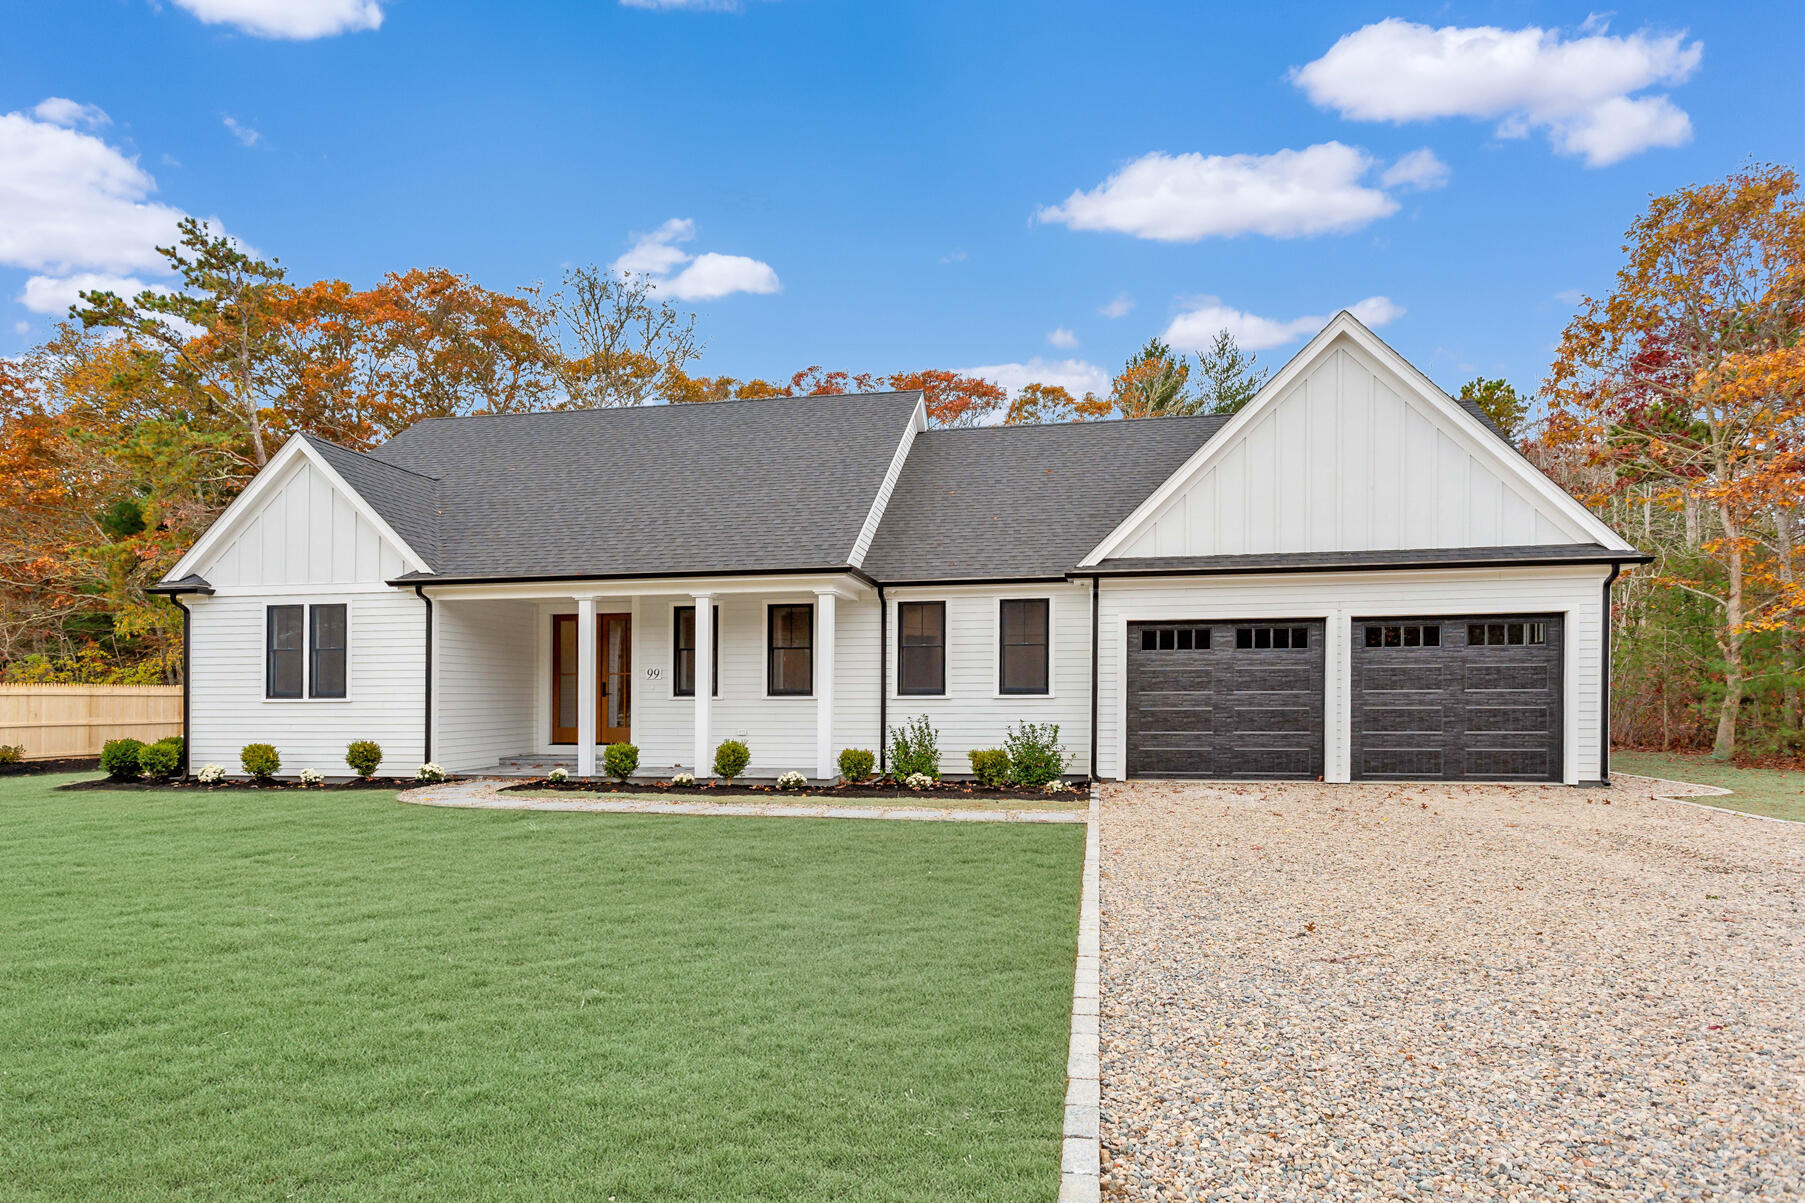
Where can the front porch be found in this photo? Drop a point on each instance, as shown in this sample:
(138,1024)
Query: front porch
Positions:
(528,677)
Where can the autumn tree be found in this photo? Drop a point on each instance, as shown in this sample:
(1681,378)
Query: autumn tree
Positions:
(1504,405)
(953,399)
(1688,380)
(1152,384)
(1227,377)
(616,340)
(1039,404)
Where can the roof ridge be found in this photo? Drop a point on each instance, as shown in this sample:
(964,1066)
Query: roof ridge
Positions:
(311,437)
(663,405)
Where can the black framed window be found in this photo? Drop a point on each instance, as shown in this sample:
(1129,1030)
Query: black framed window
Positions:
(326,669)
(790,650)
(1406,634)
(1175,639)
(921,647)
(683,653)
(1501,634)
(1278,639)
(284,650)
(1022,654)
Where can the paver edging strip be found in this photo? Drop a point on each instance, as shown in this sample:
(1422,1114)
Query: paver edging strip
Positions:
(1705,791)
(1081,1148)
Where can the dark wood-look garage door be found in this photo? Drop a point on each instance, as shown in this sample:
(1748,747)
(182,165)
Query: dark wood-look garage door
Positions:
(1225,699)
(1473,698)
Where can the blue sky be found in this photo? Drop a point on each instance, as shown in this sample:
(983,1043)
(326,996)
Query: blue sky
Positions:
(1032,188)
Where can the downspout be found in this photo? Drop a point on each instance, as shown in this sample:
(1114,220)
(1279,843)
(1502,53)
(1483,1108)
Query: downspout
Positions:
(1604,685)
(1096,585)
(176,601)
(426,736)
(883,678)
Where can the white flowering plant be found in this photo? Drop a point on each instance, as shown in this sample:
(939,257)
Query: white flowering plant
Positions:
(918,781)
(211,774)
(792,780)
(558,776)
(1056,786)
(430,772)
(682,778)
(312,777)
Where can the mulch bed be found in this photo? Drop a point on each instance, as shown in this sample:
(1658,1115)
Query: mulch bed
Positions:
(946,791)
(31,768)
(386,783)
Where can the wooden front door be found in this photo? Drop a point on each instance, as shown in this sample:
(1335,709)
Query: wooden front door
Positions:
(613,678)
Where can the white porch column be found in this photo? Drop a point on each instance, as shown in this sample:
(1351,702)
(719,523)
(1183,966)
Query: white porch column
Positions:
(827,763)
(704,676)
(586,686)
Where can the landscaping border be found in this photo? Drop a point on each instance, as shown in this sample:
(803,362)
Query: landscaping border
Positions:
(1081,1145)
(1701,790)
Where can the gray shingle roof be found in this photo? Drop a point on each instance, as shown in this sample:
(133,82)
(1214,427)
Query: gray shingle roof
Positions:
(1305,561)
(407,501)
(734,486)
(1018,502)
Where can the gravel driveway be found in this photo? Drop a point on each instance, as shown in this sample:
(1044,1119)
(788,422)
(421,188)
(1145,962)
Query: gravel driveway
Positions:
(1392,991)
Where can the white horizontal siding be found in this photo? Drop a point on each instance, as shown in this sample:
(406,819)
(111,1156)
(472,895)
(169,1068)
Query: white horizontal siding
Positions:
(1350,458)
(385,684)
(972,714)
(483,686)
(305,532)
(1339,598)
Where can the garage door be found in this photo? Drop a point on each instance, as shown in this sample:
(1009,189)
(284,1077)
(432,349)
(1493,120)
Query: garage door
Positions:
(1225,699)
(1473,698)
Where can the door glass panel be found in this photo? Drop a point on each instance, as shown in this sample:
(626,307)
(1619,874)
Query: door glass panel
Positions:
(617,653)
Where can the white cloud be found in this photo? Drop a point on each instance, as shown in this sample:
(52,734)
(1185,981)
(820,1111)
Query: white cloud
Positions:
(70,202)
(1420,169)
(1076,376)
(245,134)
(60,110)
(953,257)
(53,295)
(1059,336)
(1121,306)
(1193,329)
(1577,89)
(21,327)
(1569,296)
(704,277)
(298,19)
(1182,198)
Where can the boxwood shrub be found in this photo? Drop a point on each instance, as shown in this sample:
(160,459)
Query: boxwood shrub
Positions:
(364,756)
(856,764)
(990,766)
(619,760)
(260,761)
(159,760)
(119,757)
(731,759)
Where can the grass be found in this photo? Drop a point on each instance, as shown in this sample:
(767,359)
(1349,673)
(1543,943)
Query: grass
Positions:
(335,996)
(1777,793)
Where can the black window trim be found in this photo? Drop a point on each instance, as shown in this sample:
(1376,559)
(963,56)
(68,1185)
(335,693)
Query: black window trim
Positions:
(901,690)
(1046,649)
(714,649)
(771,609)
(270,650)
(313,652)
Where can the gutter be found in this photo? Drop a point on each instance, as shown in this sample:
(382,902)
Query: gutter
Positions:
(1615,559)
(187,657)
(1604,683)
(426,725)
(1096,595)
(415,581)
(883,679)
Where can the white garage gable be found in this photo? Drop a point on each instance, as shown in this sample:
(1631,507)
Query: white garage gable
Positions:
(1349,448)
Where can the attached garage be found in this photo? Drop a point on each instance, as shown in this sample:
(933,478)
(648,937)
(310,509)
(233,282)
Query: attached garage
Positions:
(1226,699)
(1468,698)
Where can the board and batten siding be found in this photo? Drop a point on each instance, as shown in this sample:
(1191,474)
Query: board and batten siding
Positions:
(972,713)
(1575,592)
(1350,459)
(306,544)
(483,700)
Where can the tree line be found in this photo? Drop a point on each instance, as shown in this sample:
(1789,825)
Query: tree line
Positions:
(1673,407)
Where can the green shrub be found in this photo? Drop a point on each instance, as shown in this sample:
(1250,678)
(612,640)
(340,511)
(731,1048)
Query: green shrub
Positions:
(260,761)
(1035,754)
(619,760)
(915,749)
(120,758)
(731,759)
(364,756)
(160,759)
(856,764)
(990,766)
(12,753)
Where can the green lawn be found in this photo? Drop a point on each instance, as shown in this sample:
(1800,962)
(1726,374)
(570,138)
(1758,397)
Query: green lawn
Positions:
(337,996)
(1777,793)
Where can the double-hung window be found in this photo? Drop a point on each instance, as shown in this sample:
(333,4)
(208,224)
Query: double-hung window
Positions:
(790,646)
(1022,665)
(921,647)
(683,657)
(305,651)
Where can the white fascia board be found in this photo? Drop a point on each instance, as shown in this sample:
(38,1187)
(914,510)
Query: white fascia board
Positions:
(843,585)
(918,422)
(1345,324)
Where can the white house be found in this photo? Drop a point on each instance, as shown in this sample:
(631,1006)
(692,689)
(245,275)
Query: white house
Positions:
(1355,577)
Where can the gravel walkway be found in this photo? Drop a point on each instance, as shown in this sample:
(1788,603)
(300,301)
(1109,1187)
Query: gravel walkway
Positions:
(1392,991)
(484,793)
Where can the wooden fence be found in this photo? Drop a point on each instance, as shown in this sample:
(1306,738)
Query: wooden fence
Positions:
(54,721)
